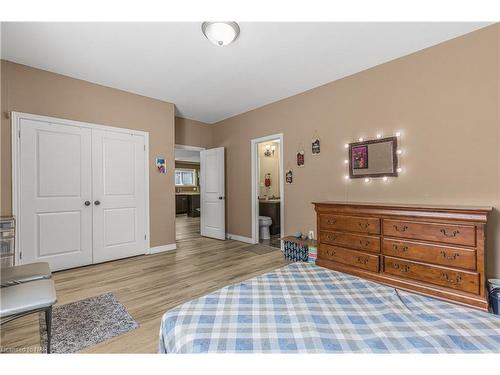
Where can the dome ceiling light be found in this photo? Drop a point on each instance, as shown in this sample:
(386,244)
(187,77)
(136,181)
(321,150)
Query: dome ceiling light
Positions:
(221,33)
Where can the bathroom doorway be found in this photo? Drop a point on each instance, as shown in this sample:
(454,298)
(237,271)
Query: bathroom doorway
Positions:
(268,190)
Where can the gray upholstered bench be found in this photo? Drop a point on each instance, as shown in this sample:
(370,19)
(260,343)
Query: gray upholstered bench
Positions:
(24,273)
(25,290)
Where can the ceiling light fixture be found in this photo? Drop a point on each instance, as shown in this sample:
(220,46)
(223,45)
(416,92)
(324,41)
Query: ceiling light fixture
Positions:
(221,33)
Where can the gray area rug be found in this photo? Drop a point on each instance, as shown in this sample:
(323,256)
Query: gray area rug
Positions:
(85,323)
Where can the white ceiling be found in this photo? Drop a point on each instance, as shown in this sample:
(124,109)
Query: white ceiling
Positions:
(174,62)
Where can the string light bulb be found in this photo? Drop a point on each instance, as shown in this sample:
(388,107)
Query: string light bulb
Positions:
(385,178)
(399,152)
(360,139)
(379,135)
(367,179)
(346,177)
(399,170)
(346,161)
(346,145)
(398,134)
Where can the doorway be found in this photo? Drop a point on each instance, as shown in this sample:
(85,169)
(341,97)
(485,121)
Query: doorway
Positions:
(267,190)
(187,192)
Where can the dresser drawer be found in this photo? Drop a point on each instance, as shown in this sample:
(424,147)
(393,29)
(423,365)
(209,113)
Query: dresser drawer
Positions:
(460,280)
(349,223)
(438,254)
(350,257)
(352,241)
(446,233)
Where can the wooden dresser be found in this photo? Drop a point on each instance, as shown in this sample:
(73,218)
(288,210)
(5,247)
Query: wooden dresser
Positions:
(431,250)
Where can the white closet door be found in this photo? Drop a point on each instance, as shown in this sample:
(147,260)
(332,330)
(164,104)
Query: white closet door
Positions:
(55,182)
(119,195)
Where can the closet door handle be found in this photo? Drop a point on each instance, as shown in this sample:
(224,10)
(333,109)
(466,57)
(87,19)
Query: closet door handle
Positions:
(97,203)
(87,203)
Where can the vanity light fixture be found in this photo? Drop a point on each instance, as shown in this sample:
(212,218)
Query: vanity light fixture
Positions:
(269,150)
(220,33)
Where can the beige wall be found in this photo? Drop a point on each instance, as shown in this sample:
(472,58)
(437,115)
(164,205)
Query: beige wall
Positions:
(30,90)
(444,99)
(269,164)
(193,133)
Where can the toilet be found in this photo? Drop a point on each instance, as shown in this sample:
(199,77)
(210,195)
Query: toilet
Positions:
(264,224)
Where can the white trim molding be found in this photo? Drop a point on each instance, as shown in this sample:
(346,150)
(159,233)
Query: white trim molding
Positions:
(162,248)
(255,185)
(235,237)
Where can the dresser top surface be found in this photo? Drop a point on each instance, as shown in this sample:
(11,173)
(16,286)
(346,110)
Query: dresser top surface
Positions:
(398,206)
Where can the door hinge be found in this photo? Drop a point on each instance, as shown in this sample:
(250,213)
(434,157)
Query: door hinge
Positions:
(144,236)
(19,133)
(20,255)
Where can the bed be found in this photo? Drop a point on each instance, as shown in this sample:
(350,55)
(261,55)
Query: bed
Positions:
(302,308)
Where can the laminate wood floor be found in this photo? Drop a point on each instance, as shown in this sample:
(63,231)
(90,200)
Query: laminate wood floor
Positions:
(149,285)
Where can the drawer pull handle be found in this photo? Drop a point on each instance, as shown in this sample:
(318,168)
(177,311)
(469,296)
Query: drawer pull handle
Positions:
(364,243)
(451,280)
(400,228)
(330,252)
(401,267)
(331,221)
(362,260)
(449,257)
(403,249)
(331,237)
(364,225)
(450,234)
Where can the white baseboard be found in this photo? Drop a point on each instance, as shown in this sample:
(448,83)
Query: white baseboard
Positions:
(163,248)
(239,238)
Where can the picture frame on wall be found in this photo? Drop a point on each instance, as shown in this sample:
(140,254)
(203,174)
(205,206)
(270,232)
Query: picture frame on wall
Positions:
(359,157)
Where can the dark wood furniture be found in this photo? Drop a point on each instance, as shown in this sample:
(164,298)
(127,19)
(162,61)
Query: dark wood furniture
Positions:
(187,204)
(432,250)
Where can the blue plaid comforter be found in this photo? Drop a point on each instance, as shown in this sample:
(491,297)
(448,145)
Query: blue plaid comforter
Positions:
(303,308)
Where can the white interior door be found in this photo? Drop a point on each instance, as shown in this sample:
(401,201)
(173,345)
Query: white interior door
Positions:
(213,220)
(119,199)
(55,183)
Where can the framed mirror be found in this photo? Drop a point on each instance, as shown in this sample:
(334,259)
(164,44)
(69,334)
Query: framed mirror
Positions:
(374,158)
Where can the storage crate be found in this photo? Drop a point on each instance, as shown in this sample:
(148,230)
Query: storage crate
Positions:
(299,250)
(7,238)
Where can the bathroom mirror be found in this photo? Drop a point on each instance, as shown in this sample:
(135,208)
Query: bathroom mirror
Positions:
(373,158)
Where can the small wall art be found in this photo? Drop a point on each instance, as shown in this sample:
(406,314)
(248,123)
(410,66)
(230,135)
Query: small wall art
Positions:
(161,165)
(289,176)
(315,144)
(359,157)
(300,158)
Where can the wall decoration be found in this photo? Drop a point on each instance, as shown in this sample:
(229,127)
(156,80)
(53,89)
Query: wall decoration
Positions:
(289,176)
(359,157)
(315,144)
(300,158)
(161,165)
(315,147)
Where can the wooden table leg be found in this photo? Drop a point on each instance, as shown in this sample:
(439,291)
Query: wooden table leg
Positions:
(48,324)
